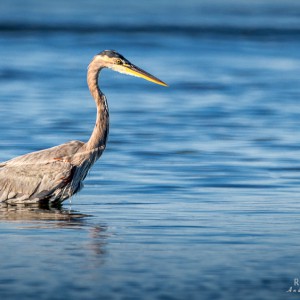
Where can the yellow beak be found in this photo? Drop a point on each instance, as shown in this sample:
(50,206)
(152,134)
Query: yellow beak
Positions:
(133,70)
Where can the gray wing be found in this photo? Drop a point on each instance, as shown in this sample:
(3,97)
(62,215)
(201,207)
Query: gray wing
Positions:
(37,175)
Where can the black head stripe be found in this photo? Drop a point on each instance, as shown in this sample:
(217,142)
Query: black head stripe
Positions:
(111,54)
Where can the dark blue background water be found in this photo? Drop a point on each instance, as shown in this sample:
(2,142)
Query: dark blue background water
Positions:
(197,195)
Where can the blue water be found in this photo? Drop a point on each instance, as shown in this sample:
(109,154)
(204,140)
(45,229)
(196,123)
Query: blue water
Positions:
(197,194)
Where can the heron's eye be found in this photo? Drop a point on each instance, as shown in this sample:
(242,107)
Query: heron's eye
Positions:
(119,61)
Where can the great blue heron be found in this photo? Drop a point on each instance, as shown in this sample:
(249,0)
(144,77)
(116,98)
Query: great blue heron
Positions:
(55,174)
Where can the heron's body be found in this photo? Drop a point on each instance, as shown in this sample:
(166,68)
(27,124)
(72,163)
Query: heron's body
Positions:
(55,174)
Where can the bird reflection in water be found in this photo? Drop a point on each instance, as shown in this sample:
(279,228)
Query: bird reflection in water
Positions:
(98,239)
(37,212)
(34,217)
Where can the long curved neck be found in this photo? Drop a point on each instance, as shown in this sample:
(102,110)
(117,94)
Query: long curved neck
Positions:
(100,132)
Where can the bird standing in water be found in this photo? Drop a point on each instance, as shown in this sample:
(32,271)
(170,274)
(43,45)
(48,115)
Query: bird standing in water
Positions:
(55,174)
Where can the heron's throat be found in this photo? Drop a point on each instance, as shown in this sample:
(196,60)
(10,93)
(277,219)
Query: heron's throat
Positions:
(99,135)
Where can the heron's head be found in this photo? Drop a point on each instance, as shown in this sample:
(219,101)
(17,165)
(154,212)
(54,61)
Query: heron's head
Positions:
(115,61)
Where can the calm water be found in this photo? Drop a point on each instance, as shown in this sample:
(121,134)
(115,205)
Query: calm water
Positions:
(197,195)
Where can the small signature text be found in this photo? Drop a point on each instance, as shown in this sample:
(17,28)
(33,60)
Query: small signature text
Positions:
(295,288)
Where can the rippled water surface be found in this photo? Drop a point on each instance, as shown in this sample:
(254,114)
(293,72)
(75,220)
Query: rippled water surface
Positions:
(197,195)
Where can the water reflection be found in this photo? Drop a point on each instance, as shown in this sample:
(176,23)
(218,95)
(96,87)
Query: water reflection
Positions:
(98,239)
(37,212)
(49,218)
